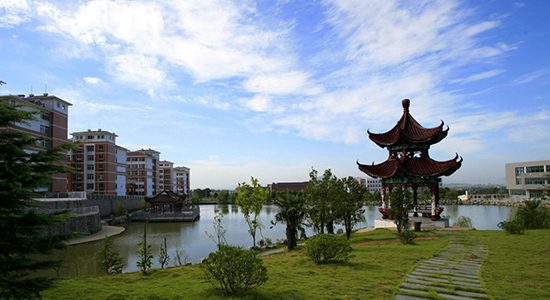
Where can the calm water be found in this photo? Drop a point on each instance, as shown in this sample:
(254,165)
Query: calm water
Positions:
(192,237)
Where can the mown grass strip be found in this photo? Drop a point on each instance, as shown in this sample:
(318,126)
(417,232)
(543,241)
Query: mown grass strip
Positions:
(375,272)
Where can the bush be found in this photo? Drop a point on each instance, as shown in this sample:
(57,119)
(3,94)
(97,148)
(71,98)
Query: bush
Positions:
(534,215)
(324,248)
(234,270)
(108,259)
(464,222)
(407,236)
(513,226)
(120,210)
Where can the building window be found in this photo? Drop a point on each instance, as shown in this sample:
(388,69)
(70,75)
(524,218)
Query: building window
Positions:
(520,170)
(518,181)
(43,143)
(100,158)
(90,137)
(45,116)
(90,176)
(100,186)
(100,177)
(100,167)
(535,181)
(90,157)
(547,168)
(78,158)
(90,148)
(100,148)
(78,177)
(90,186)
(44,129)
(90,167)
(534,169)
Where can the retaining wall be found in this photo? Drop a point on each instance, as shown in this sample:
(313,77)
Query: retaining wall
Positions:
(86,224)
(107,203)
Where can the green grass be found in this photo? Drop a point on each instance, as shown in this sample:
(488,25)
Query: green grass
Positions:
(375,272)
(517,265)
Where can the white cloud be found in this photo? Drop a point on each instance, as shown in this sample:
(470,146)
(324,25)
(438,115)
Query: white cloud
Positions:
(293,82)
(138,71)
(526,78)
(479,76)
(13,12)
(261,104)
(93,81)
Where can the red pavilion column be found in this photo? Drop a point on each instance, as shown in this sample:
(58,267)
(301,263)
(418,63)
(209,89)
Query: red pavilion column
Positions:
(384,204)
(415,202)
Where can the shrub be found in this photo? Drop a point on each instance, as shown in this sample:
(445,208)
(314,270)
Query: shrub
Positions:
(120,210)
(463,221)
(513,226)
(324,248)
(534,215)
(234,270)
(407,236)
(108,259)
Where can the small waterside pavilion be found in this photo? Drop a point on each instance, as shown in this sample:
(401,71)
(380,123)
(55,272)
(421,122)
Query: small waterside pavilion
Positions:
(166,202)
(409,165)
(168,206)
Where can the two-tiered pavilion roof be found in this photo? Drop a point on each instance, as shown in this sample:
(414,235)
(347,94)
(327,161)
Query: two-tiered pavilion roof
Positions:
(409,163)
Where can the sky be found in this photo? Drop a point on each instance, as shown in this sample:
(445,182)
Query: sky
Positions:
(272,89)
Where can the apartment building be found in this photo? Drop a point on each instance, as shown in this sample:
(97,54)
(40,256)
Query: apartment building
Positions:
(51,121)
(527,179)
(182,180)
(142,172)
(99,162)
(372,184)
(167,176)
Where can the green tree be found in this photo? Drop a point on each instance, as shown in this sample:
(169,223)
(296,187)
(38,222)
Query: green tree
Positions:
(219,232)
(251,200)
(22,174)
(401,204)
(108,259)
(145,258)
(223,197)
(292,213)
(164,257)
(349,206)
(319,195)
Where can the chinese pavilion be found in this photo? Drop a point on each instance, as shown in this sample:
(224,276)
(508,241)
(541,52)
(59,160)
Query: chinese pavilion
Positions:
(166,202)
(409,164)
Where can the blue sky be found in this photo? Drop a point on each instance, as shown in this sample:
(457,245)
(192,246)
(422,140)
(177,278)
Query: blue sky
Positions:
(272,88)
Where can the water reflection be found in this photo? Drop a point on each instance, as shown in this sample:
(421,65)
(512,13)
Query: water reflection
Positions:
(192,237)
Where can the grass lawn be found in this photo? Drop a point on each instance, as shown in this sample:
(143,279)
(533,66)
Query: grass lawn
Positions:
(374,273)
(517,266)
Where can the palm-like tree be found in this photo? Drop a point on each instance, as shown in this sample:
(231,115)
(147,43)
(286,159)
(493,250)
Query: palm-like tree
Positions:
(292,213)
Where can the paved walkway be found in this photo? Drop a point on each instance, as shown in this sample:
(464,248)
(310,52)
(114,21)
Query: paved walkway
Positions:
(451,274)
(106,230)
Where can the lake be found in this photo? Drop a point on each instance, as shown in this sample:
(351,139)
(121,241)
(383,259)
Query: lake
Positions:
(193,239)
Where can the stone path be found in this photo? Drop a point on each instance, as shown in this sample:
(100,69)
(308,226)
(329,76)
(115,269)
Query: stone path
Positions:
(451,274)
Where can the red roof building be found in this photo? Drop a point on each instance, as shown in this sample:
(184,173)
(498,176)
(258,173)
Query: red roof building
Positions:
(409,164)
(166,202)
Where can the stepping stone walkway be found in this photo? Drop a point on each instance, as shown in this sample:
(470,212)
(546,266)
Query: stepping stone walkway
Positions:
(451,274)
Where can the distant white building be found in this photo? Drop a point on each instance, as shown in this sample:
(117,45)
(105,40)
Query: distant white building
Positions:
(371,184)
(527,179)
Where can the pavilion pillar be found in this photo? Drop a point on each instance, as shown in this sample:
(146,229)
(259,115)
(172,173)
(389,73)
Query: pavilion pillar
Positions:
(389,196)
(434,205)
(384,204)
(415,202)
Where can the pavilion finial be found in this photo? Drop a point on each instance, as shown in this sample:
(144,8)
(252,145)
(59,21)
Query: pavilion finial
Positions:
(406,103)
